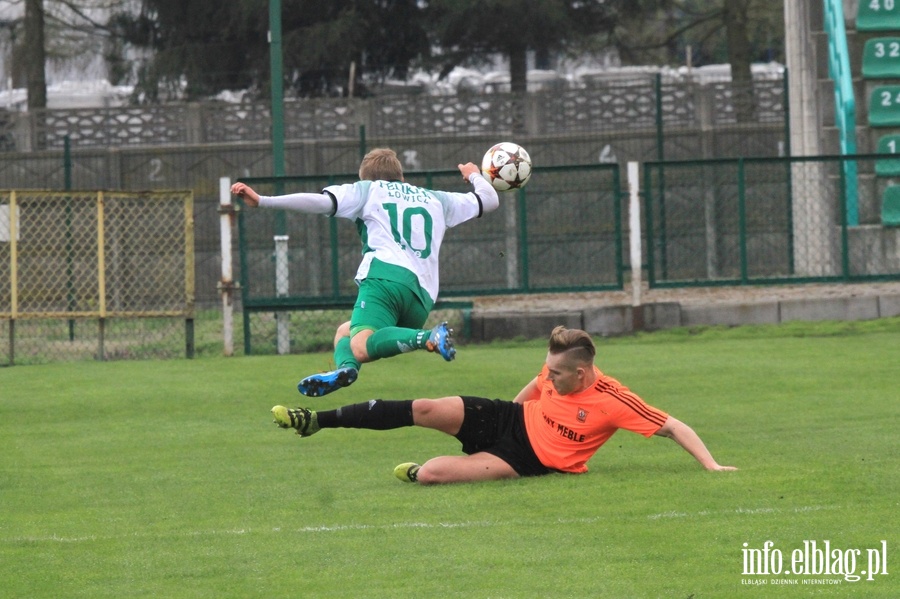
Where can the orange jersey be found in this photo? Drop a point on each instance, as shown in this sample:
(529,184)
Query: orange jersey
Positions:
(566,430)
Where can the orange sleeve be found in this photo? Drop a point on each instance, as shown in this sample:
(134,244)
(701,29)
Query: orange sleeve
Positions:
(630,411)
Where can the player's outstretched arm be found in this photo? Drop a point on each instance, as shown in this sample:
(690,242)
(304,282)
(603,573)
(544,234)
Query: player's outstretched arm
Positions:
(309,203)
(691,442)
(250,197)
(468,169)
(489,199)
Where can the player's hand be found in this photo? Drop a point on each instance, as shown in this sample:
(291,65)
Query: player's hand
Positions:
(250,197)
(467,169)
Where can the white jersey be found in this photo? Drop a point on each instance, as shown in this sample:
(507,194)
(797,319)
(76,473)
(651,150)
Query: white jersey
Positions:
(404,225)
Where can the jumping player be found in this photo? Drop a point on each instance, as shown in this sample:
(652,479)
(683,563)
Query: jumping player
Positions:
(401,227)
(555,424)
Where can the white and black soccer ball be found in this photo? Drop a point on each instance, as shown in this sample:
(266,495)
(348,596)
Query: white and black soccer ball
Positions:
(507,166)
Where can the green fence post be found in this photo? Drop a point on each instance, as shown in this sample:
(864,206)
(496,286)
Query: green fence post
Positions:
(660,156)
(335,253)
(67,184)
(276,67)
(742,220)
(846,214)
(362,141)
(618,197)
(67,163)
(335,258)
(787,113)
(648,220)
(245,280)
(189,338)
(663,249)
(660,140)
(523,237)
(789,173)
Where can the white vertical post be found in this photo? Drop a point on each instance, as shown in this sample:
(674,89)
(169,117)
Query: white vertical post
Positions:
(282,286)
(226,285)
(634,232)
(814,202)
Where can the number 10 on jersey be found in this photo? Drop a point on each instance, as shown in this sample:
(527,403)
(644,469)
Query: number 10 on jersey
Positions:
(412,229)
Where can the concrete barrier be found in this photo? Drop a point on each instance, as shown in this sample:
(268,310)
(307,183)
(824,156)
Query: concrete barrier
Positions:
(533,325)
(731,315)
(888,306)
(842,308)
(625,319)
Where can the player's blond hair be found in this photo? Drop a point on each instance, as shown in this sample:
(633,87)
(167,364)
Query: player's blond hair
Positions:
(576,343)
(381,164)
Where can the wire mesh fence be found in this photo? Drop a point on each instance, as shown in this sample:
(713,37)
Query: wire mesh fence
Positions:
(45,340)
(768,221)
(606,119)
(76,265)
(603,102)
(313,330)
(562,232)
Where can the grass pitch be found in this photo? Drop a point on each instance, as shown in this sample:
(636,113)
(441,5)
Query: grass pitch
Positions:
(167,479)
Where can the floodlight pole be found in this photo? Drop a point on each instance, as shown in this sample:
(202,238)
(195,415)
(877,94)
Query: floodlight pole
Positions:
(276,74)
(276,68)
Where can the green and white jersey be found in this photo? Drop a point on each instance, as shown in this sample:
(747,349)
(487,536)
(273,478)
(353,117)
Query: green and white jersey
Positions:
(402,227)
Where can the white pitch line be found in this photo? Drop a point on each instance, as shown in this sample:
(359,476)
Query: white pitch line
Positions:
(743,510)
(395,526)
(199,533)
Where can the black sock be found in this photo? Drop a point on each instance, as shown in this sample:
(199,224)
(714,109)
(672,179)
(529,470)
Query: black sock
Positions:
(375,414)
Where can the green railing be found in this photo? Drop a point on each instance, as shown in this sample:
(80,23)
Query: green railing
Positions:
(563,232)
(844,100)
(765,221)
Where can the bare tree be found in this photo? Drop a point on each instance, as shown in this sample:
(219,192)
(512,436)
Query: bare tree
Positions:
(55,30)
(734,18)
(736,31)
(35,54)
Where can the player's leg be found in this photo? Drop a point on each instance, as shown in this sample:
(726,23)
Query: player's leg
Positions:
(358,347)
(369,314)
(343,353)
(459,469)
(445,415)
(391,341)
(474,421)
(344,375)
(484,428)
(402,316)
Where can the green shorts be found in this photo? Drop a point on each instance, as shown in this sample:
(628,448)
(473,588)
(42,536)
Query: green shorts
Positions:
(382,303)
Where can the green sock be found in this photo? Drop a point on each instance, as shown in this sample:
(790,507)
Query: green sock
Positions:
(391,341)
(343,355)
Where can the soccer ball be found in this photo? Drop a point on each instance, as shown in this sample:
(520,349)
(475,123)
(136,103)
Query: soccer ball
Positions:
(507,166)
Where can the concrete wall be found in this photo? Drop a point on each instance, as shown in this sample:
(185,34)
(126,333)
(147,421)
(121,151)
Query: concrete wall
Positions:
(625,319)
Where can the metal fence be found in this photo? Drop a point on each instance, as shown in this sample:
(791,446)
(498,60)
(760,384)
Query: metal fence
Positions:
(754,221)
(191,146)
(652,101)
(562,232)
(76,267)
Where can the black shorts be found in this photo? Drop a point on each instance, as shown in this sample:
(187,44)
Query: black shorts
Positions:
(498,428)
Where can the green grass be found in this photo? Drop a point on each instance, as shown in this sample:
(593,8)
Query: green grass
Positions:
(167,479)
